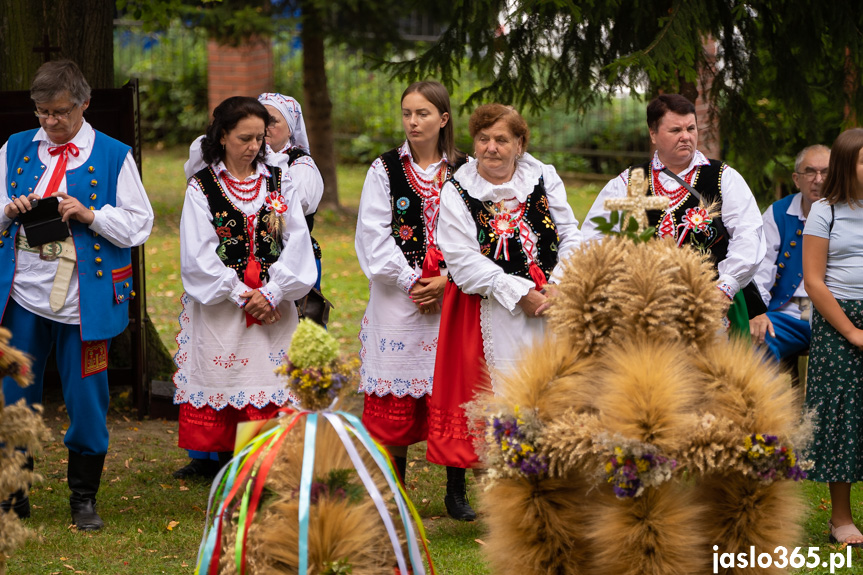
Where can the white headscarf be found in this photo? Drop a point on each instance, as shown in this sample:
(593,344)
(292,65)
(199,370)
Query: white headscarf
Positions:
(293,114)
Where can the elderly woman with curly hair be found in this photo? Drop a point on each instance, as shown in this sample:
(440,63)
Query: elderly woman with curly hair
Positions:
(504,227)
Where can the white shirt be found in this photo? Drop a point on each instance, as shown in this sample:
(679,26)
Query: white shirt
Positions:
(308,183)
(380,257)
(740,215)
(208,280)
(765,277)
(126,224)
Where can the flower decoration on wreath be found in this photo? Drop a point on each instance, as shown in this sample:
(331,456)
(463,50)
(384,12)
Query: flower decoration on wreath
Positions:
(312,492)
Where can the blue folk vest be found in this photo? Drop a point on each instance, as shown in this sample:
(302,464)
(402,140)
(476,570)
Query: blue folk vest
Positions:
(104,270)
(789,260)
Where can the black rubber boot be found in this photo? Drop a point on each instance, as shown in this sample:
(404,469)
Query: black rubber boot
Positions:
(203,468)
(401,464)
(455,499)
(19,502)
(225,458)
(85,474)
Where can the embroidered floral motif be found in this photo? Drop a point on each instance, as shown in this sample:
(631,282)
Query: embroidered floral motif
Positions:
(396,345)
(197,399)
(406,232)
(217,401)
(383,346)
(223,231)
(259,399)
(504,224)
(276,357)
(429,346)
(279,397)
(403,204)
(384,384)
(420,386)
(697,219)
(230,361)
(276,202)
(400,386)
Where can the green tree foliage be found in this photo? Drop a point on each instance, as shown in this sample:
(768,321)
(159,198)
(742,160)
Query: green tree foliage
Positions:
(370,25)
(786,74)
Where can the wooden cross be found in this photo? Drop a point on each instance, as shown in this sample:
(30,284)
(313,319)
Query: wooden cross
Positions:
(46,48)
(636,203)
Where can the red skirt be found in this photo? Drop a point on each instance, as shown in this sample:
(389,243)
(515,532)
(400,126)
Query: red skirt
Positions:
(396,421)
(205,429)
(460,373)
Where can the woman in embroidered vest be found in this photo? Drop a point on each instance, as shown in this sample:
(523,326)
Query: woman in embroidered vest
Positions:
(245,256)
(288,148)
(833,275)
(504,225)
(396,246)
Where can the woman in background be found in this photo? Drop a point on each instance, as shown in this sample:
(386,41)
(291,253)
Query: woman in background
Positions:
(396,243)
(833,276)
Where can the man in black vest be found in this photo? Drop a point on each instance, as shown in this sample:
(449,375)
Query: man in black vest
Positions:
(690,181)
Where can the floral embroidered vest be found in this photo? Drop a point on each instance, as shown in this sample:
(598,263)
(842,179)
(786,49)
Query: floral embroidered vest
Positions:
(230,225)
(295,154)
(536,215)
(711,238)
(408,223)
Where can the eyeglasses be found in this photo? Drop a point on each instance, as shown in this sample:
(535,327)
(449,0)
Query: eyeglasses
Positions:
(810,173)
(59,116)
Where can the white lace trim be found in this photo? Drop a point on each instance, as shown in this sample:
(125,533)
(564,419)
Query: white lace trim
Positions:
(528,170)
(485,324)
(508,290)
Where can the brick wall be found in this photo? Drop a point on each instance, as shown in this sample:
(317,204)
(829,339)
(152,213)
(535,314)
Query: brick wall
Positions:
(245,70)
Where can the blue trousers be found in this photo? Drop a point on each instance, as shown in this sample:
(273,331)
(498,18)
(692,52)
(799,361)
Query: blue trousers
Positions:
(792,335)
(86,397)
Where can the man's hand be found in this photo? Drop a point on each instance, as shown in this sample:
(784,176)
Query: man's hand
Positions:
(71,209)
(19,205)
(259,308)
(759,326)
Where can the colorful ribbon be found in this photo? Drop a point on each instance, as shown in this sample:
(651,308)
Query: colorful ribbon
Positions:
(250,468)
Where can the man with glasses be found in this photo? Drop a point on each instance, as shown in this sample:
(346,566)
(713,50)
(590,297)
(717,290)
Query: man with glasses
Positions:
(784,329)
(68,287)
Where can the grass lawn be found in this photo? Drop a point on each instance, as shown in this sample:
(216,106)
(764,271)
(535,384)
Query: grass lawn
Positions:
(153,522)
